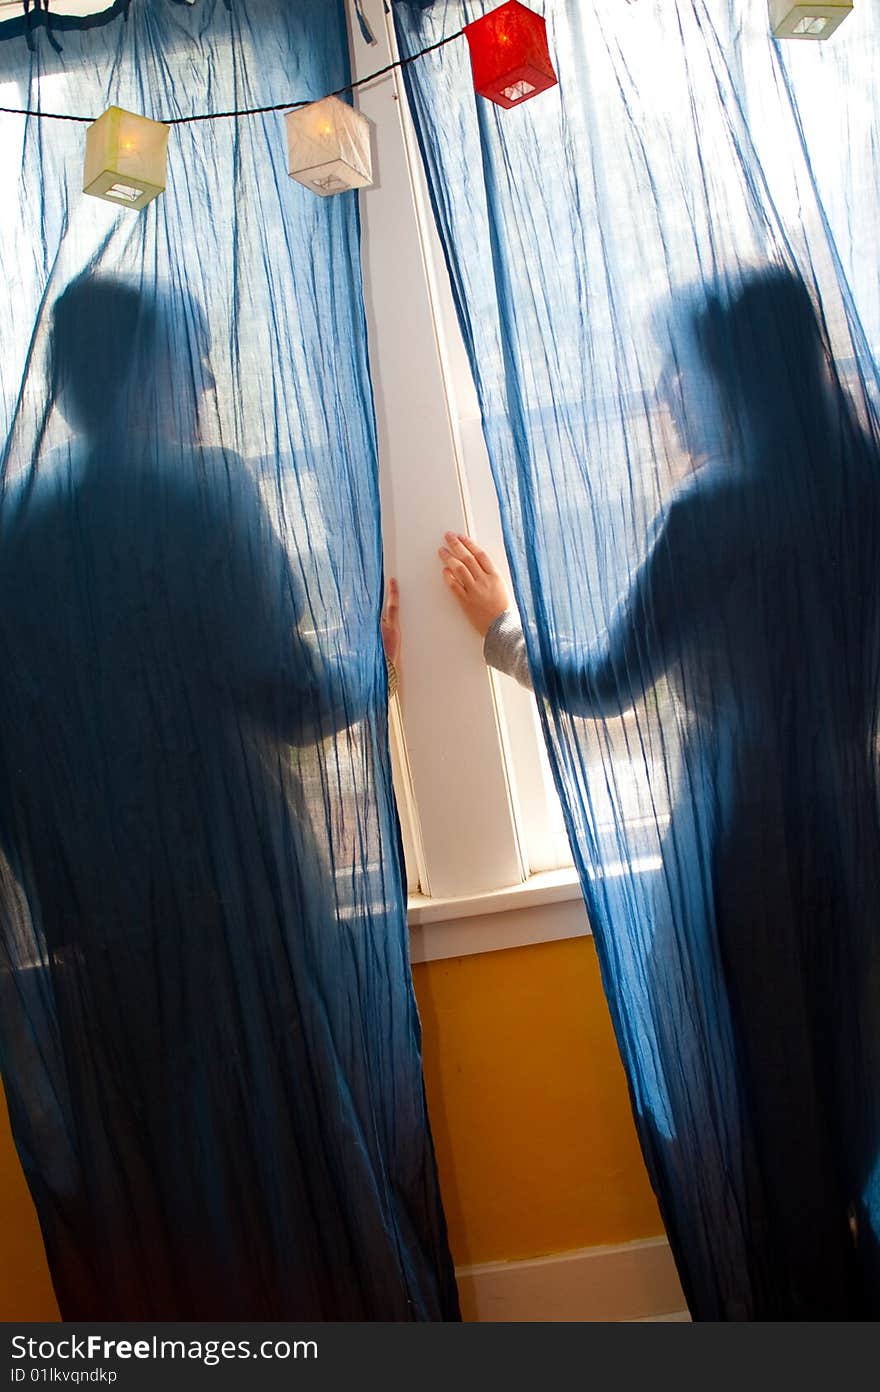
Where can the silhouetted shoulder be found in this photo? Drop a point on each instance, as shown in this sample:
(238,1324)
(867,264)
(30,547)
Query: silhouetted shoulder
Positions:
(698,533)
(238,532)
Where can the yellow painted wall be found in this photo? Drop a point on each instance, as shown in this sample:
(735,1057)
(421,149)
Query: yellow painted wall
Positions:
(25,1288)
(529,1109)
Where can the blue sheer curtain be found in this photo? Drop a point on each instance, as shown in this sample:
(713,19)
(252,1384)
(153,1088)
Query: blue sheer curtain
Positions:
(210,1045)
(671,317)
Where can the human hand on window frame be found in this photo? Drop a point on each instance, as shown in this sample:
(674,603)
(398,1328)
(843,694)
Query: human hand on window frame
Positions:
(391,634)
(475,581)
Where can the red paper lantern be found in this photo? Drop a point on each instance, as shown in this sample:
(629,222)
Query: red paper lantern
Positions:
(509,54)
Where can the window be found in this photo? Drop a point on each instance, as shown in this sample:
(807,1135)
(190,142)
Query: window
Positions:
(473,776)
(479,809)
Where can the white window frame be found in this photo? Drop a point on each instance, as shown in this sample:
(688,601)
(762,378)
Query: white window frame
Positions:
(481,823)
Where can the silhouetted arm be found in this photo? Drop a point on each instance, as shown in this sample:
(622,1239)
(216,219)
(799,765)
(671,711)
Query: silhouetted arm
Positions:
(631,655)
(298,692)
(301,687)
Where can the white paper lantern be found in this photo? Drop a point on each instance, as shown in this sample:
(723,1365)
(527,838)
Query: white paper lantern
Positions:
(804,21)
(125,158)
(328,147)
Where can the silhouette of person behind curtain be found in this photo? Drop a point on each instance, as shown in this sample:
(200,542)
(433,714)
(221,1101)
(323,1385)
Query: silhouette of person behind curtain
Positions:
(216,1138)
(758,602)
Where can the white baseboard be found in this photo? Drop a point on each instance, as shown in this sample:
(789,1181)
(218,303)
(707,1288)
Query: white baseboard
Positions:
(633,1281)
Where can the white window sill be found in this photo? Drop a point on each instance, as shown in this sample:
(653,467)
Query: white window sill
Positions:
(546,908)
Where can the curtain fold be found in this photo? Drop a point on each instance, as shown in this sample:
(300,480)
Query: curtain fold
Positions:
(670,314)
(210,1045)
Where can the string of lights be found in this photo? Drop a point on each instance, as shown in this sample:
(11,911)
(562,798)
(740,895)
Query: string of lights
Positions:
(328,140)
(788,20)
(245,110)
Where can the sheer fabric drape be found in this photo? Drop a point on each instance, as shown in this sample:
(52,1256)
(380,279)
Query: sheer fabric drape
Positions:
(210,1044)
(671,320)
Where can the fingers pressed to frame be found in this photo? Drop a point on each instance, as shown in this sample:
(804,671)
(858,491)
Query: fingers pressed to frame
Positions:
(453,584)
(462,554)
(447,557)
(460,570)
(482,558)
(392,600)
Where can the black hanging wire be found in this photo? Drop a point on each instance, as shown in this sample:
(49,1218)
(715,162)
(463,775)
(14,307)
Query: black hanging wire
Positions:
(239,111)
(31,9)
(368,35)
(35,12)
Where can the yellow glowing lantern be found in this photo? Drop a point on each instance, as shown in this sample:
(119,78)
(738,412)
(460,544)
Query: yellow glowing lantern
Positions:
(790,20)
(328,147)
(125,158)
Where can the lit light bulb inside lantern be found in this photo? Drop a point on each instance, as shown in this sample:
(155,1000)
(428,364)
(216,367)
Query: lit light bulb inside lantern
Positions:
(795,19)
(328,147)
(125,158)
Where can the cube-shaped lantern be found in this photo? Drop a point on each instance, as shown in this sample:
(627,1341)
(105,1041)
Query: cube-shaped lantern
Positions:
(510,59)
(790,20)
(125,158)
(328,147)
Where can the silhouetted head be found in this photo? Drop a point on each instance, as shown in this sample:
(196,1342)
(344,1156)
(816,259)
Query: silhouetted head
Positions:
(747,371)
(686,386)
(126,360)
(97,326)
(763,345)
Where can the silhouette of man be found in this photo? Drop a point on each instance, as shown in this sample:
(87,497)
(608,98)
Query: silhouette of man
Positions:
(222,1064)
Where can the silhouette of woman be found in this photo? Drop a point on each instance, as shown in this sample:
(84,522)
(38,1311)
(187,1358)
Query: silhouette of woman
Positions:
(214,1077)
(758,603)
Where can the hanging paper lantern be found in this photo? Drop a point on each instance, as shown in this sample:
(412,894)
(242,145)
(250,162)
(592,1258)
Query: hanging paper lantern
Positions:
(509,54)
(328,147)
(803,21)
(125,158)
